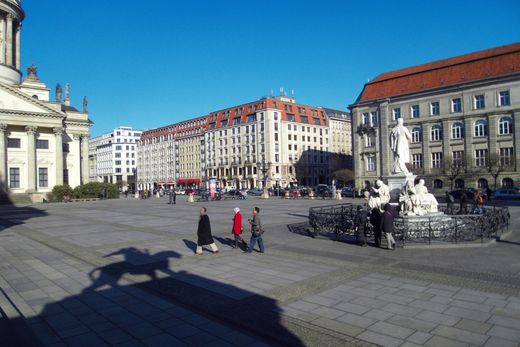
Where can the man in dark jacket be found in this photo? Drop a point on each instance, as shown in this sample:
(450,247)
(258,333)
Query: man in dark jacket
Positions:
(360,225)
(256,231)
(387,226)
(375,220)
(173,196)
(204,234)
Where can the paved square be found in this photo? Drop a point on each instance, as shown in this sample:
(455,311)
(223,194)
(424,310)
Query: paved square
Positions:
(122,272)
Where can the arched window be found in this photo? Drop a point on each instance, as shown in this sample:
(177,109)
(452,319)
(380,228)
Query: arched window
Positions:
(457,130)
(481,128)
(436,133)
(437,184)
(35,96)
(482,183)
(459,183)
(416,135)
(507,183)
(505,126)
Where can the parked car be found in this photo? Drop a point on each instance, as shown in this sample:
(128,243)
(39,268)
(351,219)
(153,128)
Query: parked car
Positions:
(304,191)
(255,192)
(458,192)
(507,193)
(348,192)
(323,190)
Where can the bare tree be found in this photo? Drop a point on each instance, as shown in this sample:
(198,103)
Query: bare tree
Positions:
(496,165)
(344,176)
(453,169)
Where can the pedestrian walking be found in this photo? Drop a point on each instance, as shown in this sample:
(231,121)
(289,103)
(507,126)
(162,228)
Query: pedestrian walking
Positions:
(375,220)
(256,231)
(360,225)
(450,200)
(173,197)
(204,237)
(237,228)
(387,226)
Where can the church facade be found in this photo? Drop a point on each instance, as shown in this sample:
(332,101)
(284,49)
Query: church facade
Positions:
(43,142)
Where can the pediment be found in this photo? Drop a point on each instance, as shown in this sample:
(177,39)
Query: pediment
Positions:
(16,103)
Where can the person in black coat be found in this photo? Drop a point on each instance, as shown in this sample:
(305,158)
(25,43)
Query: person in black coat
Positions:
(173,197)
(360,224)
(387,226)
(375,220)
(204,233)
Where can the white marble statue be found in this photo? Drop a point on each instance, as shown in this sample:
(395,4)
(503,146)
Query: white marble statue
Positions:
(379,196)
(416,201)
(400,138)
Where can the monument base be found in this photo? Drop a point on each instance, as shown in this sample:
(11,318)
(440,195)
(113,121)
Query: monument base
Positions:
(397,183)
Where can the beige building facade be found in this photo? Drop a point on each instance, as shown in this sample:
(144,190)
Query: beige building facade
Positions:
(43,143)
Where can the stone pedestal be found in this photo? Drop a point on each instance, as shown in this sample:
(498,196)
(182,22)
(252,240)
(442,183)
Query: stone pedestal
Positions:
(396,183)
(190,198)
(338,195)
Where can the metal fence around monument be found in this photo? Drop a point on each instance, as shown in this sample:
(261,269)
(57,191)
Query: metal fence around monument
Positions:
(450,228)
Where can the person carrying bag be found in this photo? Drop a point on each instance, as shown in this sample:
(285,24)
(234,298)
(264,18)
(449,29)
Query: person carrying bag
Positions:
(256,231)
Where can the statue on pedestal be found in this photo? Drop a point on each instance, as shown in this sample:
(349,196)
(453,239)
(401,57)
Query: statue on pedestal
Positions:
(400,138)
(416,201)
(379,196)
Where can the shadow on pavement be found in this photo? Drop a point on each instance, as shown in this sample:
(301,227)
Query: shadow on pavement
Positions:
(12,215)
(167,308)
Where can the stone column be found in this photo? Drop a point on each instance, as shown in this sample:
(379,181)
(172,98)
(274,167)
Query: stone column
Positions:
(84,159)
(3,156)
(18,29)
(31,158)
(58,137)
(2,39)
(9,40)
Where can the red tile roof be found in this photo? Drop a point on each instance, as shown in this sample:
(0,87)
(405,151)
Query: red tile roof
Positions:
(499,61)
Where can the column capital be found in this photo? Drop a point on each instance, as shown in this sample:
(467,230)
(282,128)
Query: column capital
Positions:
(31,129)
(84,136)
(3,127)
(9,16)
(58,131)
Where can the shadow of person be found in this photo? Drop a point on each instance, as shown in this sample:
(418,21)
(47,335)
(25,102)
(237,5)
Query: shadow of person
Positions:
(190,244)
(136,262)
(181,309)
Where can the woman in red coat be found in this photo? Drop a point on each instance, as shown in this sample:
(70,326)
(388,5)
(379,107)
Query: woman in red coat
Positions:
(237,228)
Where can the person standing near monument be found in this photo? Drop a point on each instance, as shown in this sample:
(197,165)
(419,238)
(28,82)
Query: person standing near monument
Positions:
(387,226)
(360,225)
(400,138)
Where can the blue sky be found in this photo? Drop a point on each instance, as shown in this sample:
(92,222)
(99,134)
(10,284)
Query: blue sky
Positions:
(151,63)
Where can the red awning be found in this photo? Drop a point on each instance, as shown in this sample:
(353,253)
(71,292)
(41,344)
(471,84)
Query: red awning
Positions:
(188,180)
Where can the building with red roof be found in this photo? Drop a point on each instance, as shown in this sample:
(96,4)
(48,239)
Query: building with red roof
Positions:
(461,113)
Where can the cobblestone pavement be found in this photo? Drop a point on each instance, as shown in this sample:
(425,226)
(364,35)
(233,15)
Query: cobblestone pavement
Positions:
(122,273)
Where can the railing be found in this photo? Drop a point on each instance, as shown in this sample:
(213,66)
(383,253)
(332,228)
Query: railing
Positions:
(448,228)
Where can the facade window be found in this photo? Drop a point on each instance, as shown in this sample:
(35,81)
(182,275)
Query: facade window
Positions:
(42,144)
(459,183)
(373,118)
(437,184)
(43,177)
(503,98)
(251,118)
(66,148)
(14,177)
(366,118)
(118,170)
(480,128)
(416,135)
(396,113)
(435,108)
(316,121)
(457,158)
(371,164)
(436,160)
(118,155)
(436,133)
(456,105)
(506,156)
(417,161)
(13,143)
(370,140)
(304,119)
(276,116)
(481,157)
(478,102)
(276,158)
(118,162)
(238,121)
(505,126)
(118,148)
(414,111)
(507,182)
(457,131)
